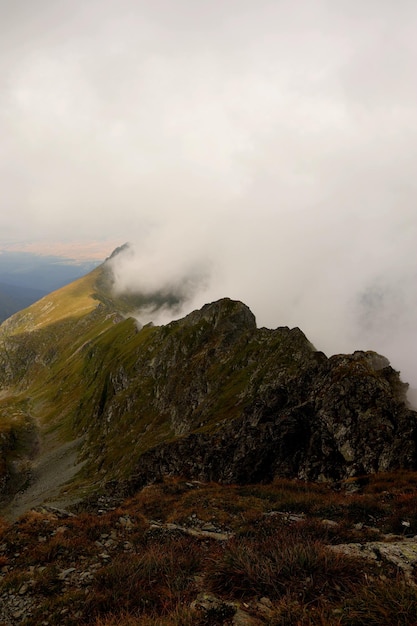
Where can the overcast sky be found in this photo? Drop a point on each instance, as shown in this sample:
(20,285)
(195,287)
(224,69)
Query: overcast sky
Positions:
(267,145)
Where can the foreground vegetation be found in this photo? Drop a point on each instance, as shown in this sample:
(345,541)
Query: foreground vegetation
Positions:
(187,553)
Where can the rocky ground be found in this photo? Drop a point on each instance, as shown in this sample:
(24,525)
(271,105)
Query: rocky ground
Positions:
(187,553)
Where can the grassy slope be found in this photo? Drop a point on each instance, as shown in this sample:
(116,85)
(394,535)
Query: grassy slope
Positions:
(72,301)
(58,357)
(42,361)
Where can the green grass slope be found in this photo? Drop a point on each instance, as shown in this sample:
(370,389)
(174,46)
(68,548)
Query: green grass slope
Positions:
(44,359)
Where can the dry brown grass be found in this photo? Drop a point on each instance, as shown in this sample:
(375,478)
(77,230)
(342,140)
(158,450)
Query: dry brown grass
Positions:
(278,549)
(282,562)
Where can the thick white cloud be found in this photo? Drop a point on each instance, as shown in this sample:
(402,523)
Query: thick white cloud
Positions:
(268,145)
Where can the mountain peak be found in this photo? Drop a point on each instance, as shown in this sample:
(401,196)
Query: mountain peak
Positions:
(224,313)
(119,250)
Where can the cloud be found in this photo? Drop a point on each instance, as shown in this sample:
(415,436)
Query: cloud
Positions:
(343,281)
(266,147)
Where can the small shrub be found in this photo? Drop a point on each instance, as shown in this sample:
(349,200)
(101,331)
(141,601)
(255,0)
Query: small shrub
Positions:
(61,610)
(400,481)
(47,581)
(382,602)
(289,611)
(3,560)
(364,509)
(281,563)
(179,616)
(154,580)
(403,515)
(152,502)
(60,547)
(13,580)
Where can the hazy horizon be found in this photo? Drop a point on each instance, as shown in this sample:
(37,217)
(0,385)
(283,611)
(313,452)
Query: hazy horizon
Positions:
(263,150)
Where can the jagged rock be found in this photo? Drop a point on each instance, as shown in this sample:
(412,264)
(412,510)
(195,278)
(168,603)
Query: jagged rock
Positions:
(234,403)
(212,397)
(298,414)
(401,553)
(213,608)
(242,618)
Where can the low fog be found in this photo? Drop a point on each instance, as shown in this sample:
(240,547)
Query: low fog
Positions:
(263,151)
(343,284)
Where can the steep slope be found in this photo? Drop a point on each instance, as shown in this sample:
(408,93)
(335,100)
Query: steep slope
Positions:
(32,341)
(36,346)
(210,397)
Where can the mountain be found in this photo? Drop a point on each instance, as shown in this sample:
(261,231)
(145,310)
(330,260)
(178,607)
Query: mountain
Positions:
(208,397)
(205,472)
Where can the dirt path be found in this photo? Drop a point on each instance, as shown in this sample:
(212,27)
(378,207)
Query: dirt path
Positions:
(55,465)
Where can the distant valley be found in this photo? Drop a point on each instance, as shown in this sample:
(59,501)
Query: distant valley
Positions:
(26,277)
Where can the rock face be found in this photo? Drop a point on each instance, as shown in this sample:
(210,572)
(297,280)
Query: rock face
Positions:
(210,397)
(247,404)
(342,418)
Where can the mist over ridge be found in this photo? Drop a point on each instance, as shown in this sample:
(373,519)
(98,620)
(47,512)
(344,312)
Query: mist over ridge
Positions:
(263,150)
(345,283)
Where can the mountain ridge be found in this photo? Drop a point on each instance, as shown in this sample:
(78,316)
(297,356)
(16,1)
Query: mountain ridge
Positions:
(163,474)
(211,396)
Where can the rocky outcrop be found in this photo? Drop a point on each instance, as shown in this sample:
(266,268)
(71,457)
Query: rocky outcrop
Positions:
(398,551)
(211,397)
(247,404)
